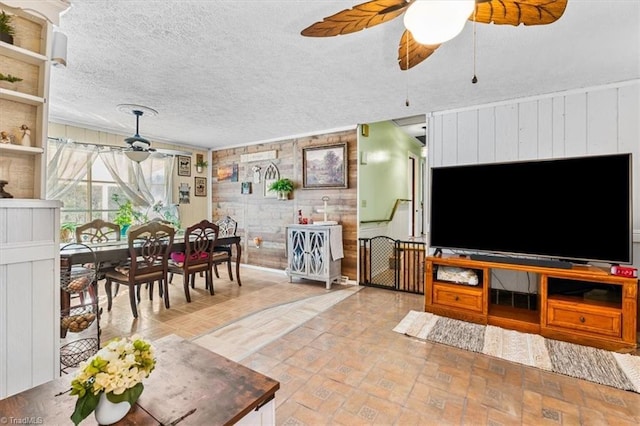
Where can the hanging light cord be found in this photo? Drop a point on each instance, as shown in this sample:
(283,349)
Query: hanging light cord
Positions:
(474,80)
(406,102)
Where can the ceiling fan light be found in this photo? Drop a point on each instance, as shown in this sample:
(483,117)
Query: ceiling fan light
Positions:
(436,21)
(137,156)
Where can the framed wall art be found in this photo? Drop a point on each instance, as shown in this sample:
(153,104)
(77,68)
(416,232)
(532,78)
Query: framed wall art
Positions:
(271,174)
(324,166)
(201,187)
(183,191)
(245,188)
(227,173)
(184,165)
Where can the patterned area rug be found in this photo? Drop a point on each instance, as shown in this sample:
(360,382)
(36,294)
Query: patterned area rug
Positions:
(620,371)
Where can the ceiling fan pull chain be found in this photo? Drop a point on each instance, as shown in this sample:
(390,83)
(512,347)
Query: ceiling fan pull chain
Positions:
(474,80)
(406,102)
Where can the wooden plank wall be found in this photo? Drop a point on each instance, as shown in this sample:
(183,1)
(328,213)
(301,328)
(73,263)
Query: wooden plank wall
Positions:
(259,216)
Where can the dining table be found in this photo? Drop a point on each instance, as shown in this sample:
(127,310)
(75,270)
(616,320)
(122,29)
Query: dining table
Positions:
(190,385)
(72,254)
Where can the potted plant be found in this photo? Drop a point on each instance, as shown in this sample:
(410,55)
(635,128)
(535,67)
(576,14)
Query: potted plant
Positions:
(67,231)
(126,214)
(200,165)
(283,187)
(6,29)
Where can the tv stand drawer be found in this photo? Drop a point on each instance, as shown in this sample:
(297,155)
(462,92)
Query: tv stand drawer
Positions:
(585,318)
(458,297)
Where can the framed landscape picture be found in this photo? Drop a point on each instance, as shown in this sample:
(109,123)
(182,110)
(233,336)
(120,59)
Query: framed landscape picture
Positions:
(227,173)
(324,167)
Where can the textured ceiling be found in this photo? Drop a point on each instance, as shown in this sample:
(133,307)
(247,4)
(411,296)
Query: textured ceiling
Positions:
(228,73)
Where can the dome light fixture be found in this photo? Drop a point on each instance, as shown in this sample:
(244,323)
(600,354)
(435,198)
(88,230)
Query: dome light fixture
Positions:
(139,147)
(433,22)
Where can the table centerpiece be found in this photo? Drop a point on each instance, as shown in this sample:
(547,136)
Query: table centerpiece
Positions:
(110,382)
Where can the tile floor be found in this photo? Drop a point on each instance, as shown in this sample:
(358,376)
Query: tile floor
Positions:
(345,366)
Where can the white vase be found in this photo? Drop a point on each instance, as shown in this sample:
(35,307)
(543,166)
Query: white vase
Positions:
(108,413)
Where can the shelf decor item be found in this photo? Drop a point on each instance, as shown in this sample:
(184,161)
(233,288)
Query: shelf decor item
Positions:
(283,187)
(10,78)
(26,135)
(7,81)
(110,382)
(6,29)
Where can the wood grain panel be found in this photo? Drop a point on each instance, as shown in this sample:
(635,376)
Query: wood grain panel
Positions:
(267,218)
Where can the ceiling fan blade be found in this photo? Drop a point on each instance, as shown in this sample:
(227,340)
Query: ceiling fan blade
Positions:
(362,16)
(411,53)
(516,12)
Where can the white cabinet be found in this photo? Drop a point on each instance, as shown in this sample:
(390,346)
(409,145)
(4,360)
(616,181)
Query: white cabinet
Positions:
(29,294)
(314,252)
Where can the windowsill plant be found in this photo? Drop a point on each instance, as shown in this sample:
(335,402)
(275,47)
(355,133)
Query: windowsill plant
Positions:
(126,215)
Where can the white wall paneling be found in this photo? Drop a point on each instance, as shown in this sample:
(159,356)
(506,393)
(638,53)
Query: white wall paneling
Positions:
(29,294)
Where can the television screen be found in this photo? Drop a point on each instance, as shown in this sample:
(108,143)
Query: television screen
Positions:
(573,209)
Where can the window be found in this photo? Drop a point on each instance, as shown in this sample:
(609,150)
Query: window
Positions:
(79,176)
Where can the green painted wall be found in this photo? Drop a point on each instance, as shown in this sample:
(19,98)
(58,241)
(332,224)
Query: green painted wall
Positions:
(383,179)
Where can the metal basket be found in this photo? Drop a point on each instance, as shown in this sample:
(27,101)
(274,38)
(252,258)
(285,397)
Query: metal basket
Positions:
(77,280)
(78,318)
(73,353)
(79,277)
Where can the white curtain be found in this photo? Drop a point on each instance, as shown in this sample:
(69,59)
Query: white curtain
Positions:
(67,164)
(69,161)
(129,177)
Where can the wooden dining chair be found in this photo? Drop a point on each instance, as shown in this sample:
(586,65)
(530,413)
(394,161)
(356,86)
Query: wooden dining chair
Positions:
(149,248)
(228,227)
(199,241)
(97,231)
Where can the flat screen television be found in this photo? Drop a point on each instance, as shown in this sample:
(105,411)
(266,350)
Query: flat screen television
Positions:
(570,209)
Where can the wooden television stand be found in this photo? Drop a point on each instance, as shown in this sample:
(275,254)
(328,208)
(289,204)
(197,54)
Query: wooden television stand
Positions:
(584,305)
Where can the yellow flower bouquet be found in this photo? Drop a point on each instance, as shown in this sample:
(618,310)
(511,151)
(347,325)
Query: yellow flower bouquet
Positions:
(117,370)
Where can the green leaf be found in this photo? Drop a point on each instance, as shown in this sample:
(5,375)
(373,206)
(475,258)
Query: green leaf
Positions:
(84,406)
(131,395)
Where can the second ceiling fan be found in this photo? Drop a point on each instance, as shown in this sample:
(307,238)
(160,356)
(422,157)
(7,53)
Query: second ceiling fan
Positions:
(429,14)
